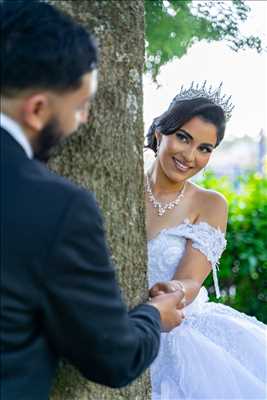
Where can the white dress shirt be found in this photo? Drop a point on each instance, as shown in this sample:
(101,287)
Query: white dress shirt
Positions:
(13,128)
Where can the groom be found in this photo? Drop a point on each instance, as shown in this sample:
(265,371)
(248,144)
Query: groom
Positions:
(59,296)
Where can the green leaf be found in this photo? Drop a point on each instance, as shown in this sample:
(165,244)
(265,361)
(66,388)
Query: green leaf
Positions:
(172,27)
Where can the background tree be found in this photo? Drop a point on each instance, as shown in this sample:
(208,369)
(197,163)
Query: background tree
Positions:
(106,156)
(173,26)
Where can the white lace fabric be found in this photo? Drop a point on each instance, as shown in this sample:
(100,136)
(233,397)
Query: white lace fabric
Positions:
(216,352)
(208,240)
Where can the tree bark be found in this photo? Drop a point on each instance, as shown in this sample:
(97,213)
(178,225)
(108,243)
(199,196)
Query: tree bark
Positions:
(106,157)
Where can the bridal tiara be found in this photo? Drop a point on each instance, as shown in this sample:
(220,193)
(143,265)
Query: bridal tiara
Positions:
(196,91)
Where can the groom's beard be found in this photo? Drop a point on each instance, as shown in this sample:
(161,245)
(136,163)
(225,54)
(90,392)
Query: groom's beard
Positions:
(50,136)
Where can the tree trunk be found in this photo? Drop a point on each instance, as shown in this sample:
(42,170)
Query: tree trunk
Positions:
(106,157)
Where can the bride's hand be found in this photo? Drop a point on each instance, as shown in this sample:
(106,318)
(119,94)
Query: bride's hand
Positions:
(167,287)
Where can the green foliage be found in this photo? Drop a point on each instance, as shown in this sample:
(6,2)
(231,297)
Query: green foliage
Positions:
(243,267)
(172,26)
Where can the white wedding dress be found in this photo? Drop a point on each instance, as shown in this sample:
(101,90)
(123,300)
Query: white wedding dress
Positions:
(217,352)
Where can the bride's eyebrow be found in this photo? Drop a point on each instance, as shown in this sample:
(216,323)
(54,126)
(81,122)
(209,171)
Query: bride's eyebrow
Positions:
(186,133)
(191,138)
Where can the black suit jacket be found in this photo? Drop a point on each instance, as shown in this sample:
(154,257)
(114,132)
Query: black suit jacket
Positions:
(59,296)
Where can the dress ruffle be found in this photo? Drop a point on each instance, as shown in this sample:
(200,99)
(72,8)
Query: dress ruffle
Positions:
(217,353)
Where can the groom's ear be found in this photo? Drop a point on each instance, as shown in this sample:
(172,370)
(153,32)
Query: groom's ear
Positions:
(35,111)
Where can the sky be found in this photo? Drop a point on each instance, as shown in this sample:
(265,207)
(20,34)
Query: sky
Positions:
(243,73)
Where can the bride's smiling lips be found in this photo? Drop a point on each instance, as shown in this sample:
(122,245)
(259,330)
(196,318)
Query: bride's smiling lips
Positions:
(181,166)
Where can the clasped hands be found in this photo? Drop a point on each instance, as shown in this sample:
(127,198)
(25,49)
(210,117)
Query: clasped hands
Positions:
(169,298)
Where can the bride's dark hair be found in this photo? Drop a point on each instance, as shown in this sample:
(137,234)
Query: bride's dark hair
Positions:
(181,112)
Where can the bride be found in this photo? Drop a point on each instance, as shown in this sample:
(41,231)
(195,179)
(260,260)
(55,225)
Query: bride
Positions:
(216,352)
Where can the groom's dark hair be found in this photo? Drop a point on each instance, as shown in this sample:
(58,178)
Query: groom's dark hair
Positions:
(42,48)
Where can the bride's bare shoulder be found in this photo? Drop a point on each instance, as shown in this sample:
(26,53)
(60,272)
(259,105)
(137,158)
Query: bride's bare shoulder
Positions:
(212,206)
(207,195)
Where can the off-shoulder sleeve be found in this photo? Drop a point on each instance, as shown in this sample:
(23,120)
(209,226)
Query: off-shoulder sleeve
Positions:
(210,241)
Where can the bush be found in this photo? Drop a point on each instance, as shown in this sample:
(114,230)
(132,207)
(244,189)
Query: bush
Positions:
(243,266)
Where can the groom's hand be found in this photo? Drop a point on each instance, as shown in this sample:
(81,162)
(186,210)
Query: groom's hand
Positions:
(166,287)
(167,306)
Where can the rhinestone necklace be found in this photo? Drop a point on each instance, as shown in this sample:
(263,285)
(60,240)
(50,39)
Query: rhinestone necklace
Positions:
(162,208)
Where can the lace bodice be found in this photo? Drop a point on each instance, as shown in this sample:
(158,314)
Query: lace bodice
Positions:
(167,248)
